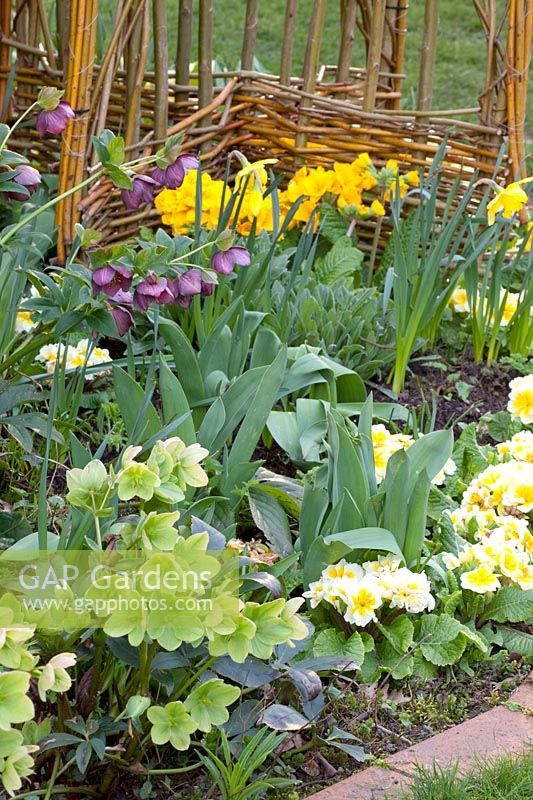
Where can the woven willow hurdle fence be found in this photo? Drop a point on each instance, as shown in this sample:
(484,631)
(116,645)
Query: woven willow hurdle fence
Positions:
(327,113)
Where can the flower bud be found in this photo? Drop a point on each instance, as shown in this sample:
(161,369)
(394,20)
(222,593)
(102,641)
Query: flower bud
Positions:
(225,240)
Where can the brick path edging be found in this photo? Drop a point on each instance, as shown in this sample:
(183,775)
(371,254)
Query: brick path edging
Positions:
(496,732)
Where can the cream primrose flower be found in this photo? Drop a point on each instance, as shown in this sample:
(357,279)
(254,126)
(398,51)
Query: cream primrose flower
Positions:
(506,487)
(521,398)
(520,447)
(24,322)
(523,576)
(450,468)
(74,357)
(316,593)
(358,592)
(451,561)
(363,601)
(343,570)
(480,580)
(412,591)
(459,301)
(385,444)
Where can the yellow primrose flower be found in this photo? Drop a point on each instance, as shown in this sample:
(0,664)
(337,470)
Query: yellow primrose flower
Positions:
(480,580)
(412,178)
(24,322)
(377,208)
(524,577)
(508,200)
(459,300)
(343,570)
(511,561)
(362,603)
(521,398)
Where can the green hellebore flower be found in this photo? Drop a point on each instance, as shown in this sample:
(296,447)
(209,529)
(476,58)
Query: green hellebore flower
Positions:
(137,480)
(15,760)
(207,703)
(88,487)
(171,723)
(15,705)
(157,530)
(12,653)
(298,628)
(54,677)
(161,461)
(187,469)
(237,644)
(271,629)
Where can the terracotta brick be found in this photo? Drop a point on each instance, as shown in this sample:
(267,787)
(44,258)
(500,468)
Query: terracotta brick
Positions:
(493,733)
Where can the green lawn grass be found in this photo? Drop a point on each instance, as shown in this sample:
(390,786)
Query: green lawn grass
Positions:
(503,779)
(460,56)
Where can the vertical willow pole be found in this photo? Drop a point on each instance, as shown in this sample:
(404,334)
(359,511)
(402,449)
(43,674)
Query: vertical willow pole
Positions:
(184,48)
(205,56)
(83,19)
(312,55)
(520,69)
(428,55)
(135,51)
(250,34)
(160,68)
(348,21)
(373,62)
(399,54)
(285,69)
(5,27)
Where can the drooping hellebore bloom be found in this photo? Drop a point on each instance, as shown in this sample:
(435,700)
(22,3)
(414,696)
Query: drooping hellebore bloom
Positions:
(111,279)
(54,120)
(25,176)
(172,176)
(225,261)
(121,311)
(141,192)
(186,286)
(153,290)
(207,289)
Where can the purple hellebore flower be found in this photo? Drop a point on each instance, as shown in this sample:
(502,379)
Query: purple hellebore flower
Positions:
(153,290)
(111,279)
(25,176)
(121,312)
(207,289)
(141,192)
(186,286)
(172,177)
(190,283)
(54,120)
(224,261)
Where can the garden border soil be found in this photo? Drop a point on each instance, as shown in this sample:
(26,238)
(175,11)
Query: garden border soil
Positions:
(505,729)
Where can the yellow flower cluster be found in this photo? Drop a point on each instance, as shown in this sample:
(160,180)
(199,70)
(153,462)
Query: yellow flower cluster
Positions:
(520,447)
(74,357)
(385,444)
(503,555)
(521,399)
(510,300)
(357,592)
(497,504)
(178,206)
(346,184)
